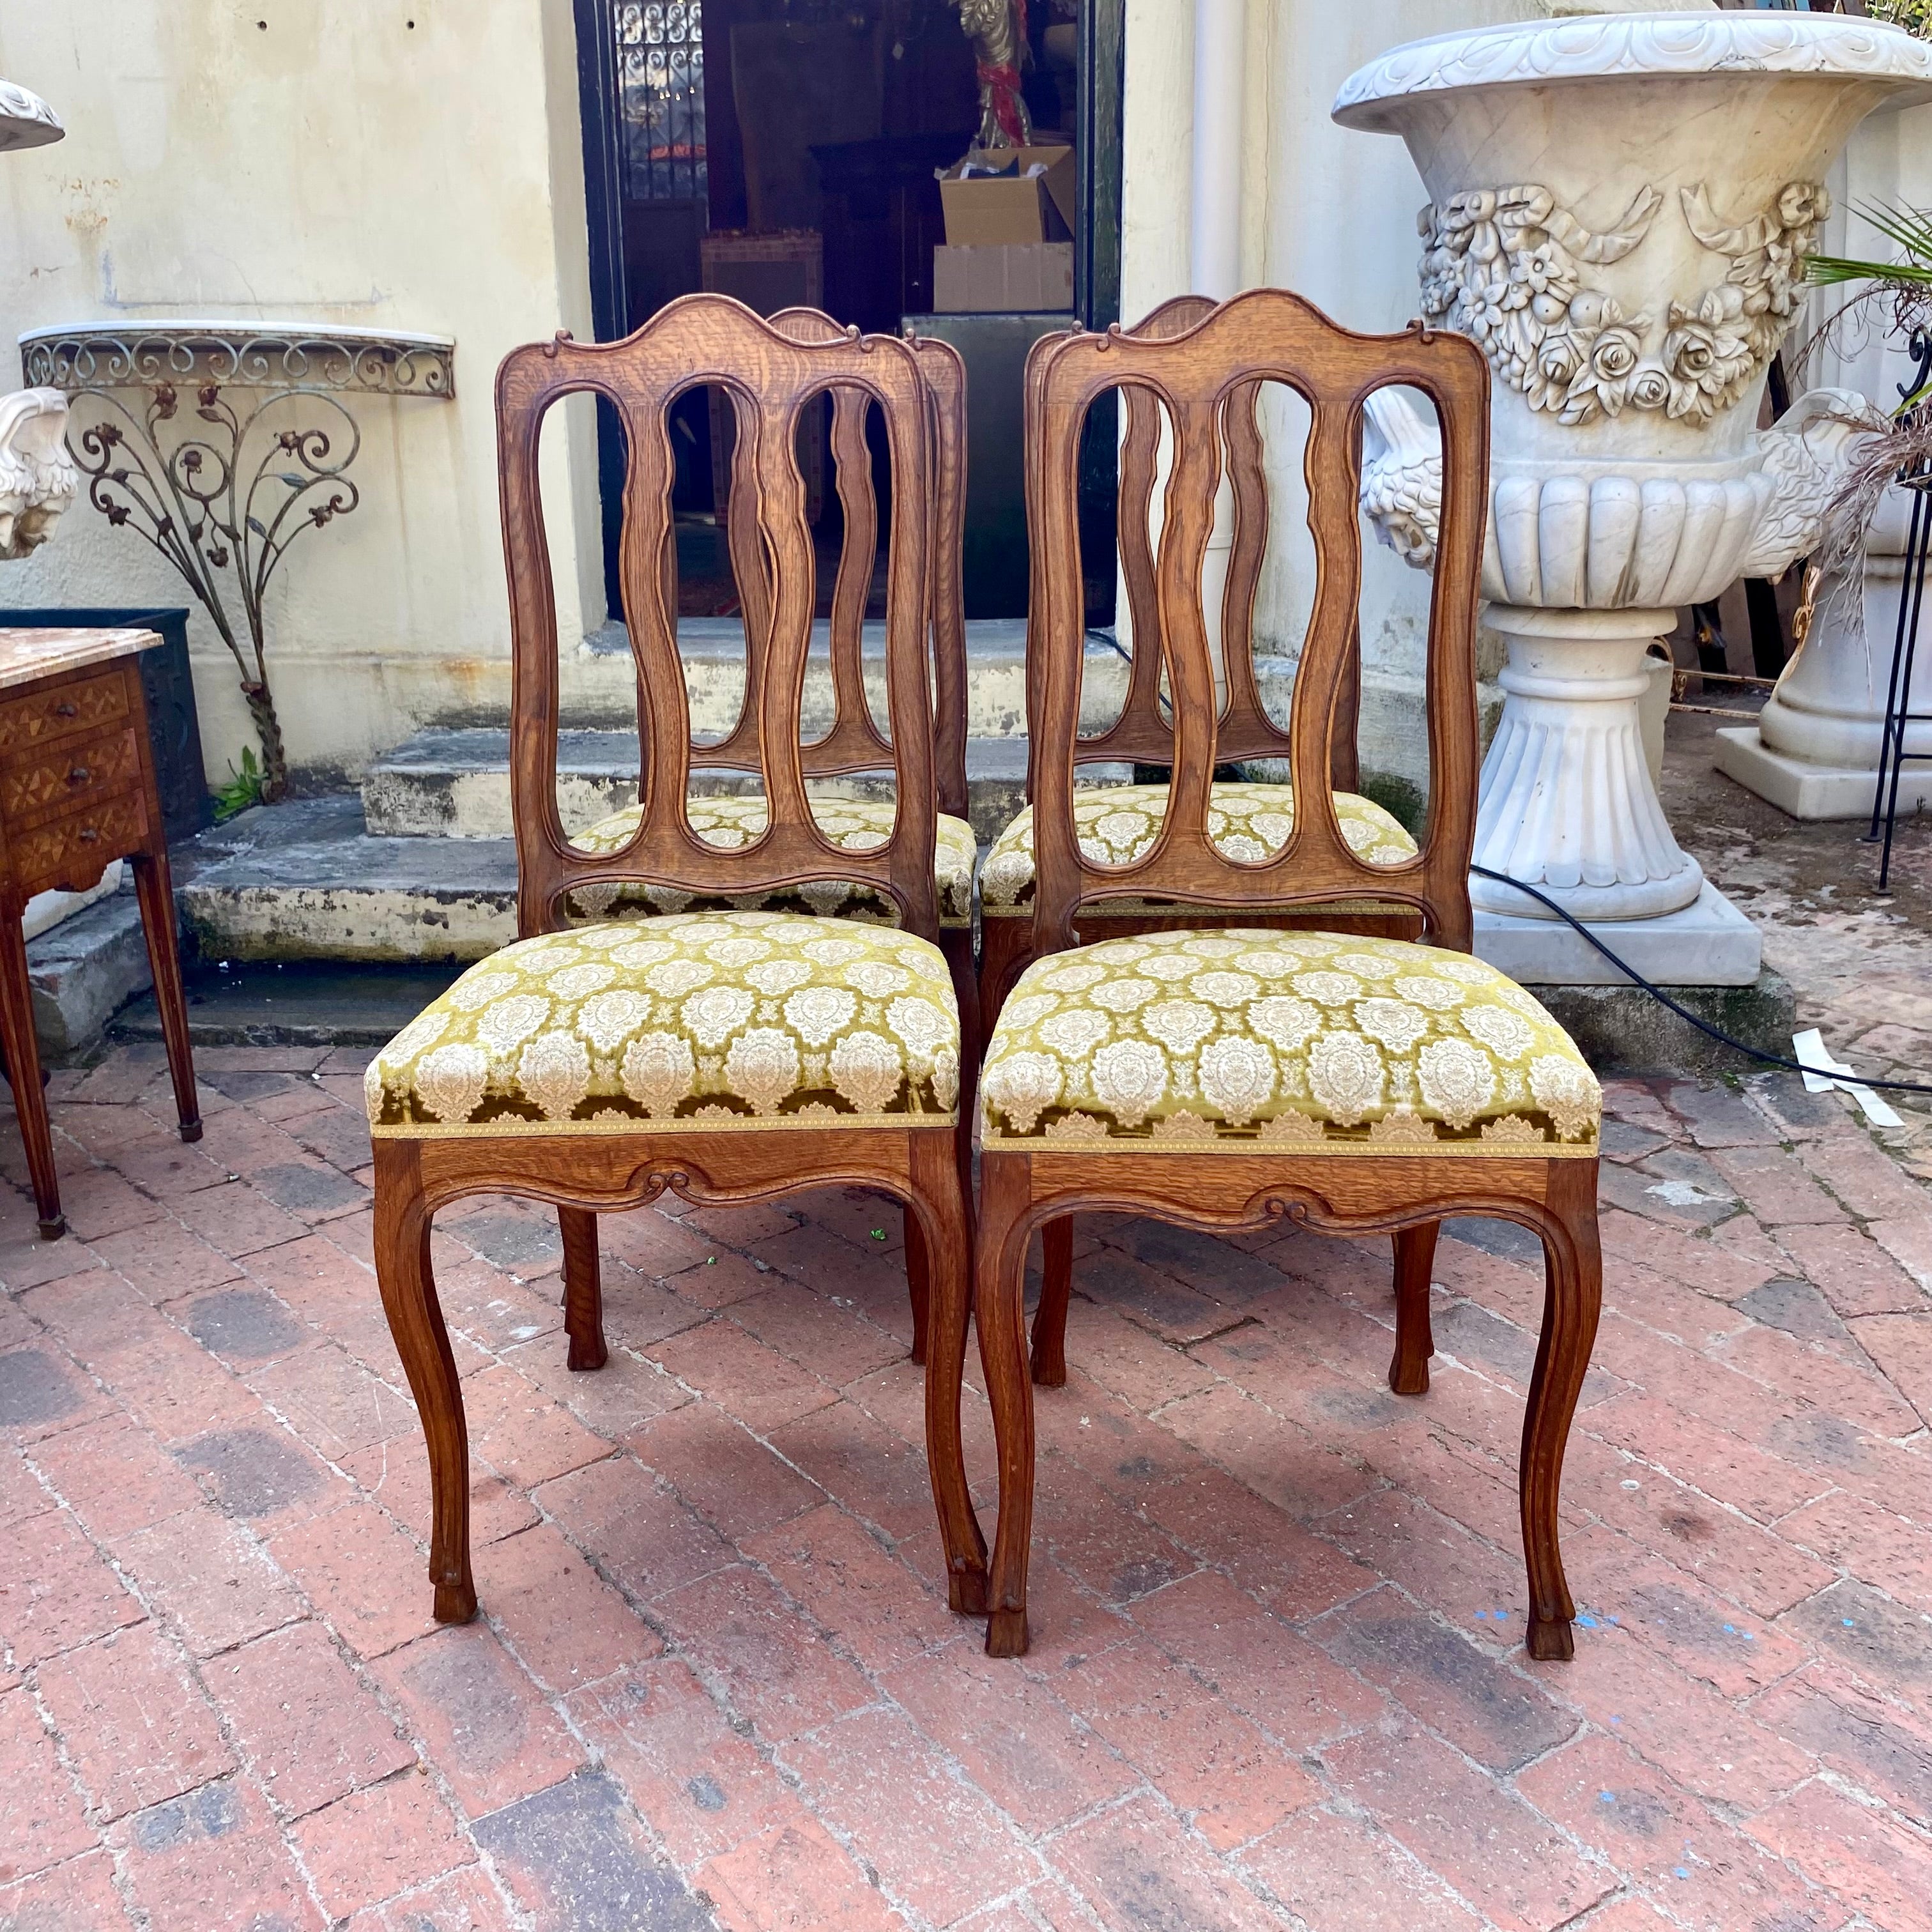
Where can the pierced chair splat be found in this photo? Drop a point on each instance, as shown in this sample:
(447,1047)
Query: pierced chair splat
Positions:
(726,1055)
(1231,1075)
(853,744)
(1246,815)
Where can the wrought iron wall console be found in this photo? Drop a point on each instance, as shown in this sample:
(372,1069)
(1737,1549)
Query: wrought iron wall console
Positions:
(238,355)
(220,487)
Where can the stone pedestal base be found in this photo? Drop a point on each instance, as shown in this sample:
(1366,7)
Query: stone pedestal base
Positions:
(1708,944)
(1566,801)
(1807,791)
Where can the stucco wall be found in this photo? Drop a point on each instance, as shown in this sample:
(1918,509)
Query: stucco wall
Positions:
(414,164)
(1325,211)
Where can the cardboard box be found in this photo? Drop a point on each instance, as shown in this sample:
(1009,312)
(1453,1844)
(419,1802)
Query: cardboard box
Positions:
(1025,277)
(991,210)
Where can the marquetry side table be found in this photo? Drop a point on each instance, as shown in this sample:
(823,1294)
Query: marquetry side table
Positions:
(77,791)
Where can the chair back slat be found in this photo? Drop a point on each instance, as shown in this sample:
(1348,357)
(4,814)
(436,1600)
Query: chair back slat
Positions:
(854,743)
(739,748)
(770,378)
(944,369)
(1205,381)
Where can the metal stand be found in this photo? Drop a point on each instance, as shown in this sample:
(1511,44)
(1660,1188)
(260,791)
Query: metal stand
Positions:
(1898,714)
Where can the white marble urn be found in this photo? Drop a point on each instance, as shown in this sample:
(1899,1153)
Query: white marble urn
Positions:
(1619,211)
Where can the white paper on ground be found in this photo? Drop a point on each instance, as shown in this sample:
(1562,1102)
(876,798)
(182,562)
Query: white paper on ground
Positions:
(1810,1051)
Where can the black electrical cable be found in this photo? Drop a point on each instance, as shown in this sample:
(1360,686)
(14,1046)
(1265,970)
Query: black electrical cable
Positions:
(1684,1013)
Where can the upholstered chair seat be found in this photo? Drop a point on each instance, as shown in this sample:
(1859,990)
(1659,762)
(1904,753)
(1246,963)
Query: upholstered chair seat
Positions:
(1117,823)
(735,820)
(735,1020)
(1244,1040)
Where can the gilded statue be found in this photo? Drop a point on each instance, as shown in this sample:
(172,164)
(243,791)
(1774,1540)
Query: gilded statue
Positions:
(998,29)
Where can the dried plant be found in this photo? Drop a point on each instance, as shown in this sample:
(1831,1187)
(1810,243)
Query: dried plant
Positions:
(1898,299)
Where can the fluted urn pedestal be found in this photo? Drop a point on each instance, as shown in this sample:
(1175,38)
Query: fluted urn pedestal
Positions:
(1814,751)
(1620,209)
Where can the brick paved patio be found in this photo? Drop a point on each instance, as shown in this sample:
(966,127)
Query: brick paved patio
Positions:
(1276,1679)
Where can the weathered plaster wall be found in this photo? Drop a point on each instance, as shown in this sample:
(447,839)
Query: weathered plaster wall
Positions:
(413,164)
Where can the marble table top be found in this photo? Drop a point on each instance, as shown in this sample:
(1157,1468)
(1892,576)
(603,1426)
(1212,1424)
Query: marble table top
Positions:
(26,655)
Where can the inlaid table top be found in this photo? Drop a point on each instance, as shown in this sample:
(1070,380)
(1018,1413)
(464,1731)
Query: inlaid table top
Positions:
(26,655)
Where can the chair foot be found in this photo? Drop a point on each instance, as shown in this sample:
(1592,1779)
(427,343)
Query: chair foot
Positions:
(1409,1377)
(1049,1375)
(455,1602)
(53,1230)
(587,1353)
(1006,1633)
(190,1130)
(966,1593)
(1551,1639)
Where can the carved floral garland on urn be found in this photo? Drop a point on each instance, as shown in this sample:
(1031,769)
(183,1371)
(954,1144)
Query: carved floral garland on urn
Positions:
(1507,265)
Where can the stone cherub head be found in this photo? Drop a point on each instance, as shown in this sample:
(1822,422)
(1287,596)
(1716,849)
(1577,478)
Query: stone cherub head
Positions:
(37,478)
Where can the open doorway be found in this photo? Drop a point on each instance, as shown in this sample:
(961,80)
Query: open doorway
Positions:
(787,152)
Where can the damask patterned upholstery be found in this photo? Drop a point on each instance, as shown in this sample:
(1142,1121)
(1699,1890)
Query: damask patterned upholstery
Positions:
(855,825)
(1239,1040)
(1116,824)
(754,1020)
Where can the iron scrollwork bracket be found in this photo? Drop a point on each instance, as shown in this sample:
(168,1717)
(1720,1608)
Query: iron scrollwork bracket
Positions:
(222,493)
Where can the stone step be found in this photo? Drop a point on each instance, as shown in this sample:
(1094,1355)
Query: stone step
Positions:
(305,881)
(601,680)
(456,784)
(294,1002)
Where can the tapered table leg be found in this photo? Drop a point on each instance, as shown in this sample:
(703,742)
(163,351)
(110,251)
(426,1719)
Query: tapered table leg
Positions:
(155,888)
(23,1068)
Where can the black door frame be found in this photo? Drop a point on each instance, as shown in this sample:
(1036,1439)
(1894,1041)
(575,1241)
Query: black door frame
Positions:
(604,218)
(1096,259)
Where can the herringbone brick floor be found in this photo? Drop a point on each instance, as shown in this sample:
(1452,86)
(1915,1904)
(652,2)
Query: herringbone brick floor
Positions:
(1276,1679)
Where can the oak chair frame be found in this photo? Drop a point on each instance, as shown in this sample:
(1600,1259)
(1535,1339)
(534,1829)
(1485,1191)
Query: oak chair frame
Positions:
(1142,736)
(854,743)
(1271,334)
(771,377)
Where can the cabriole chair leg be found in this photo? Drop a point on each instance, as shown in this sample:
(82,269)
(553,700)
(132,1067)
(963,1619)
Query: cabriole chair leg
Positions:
(1573,1298)
(583,1288)
(1056,1292)
(415,1320)
(918,1285)
(937,1219)
(1000,1311)
(1414,1340)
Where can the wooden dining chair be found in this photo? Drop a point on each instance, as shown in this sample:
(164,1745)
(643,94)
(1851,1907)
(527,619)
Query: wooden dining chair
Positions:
(1245,815)
(854,743)
(1228,1076)
(725,1054)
